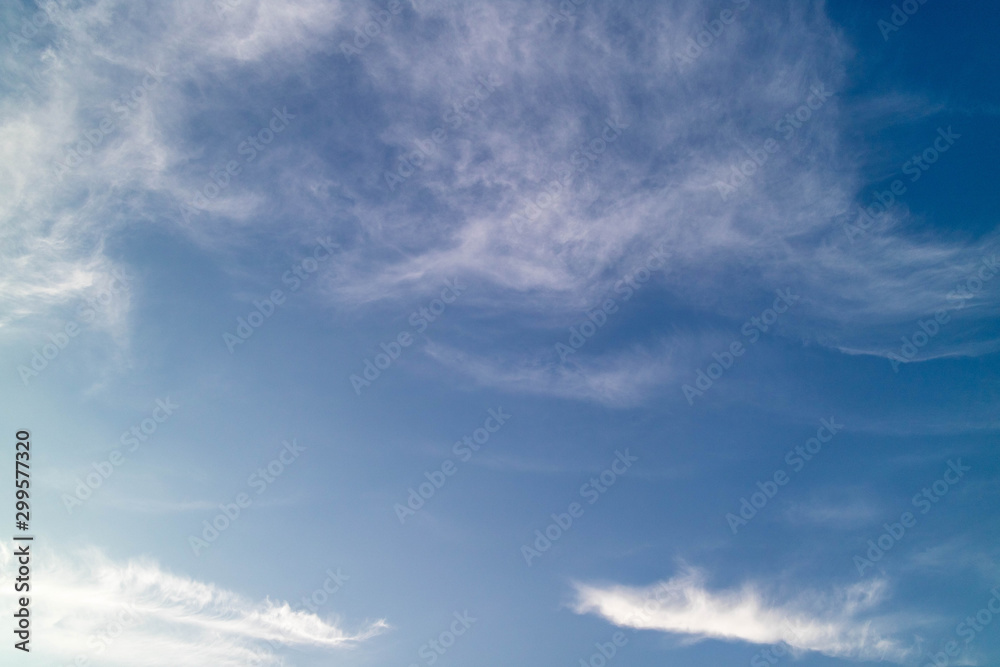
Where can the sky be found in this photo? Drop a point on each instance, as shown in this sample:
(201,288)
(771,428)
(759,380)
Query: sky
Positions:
(540,333)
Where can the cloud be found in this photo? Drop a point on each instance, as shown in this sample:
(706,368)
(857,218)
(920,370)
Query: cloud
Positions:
(136,614)
(620,379)
(956,554)
(838,509)
(834,624)
(685,126)
(785,226)
(90,144)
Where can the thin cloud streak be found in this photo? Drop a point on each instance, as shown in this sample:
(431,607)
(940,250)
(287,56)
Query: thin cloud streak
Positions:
(78,599)
(832,624)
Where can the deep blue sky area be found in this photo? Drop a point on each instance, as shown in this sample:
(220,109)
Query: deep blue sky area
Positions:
(583,333)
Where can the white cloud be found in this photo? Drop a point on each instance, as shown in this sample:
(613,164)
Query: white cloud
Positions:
(135,614)
(840,508)
(54,228)
(787,222)
(687,127)
(620,379)
(834,624)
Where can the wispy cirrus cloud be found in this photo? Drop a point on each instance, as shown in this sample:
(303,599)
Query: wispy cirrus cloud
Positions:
(620,379)
(684,130)
(837,624)
(137,614)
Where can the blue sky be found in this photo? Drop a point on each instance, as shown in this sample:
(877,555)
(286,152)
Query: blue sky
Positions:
(503,333)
